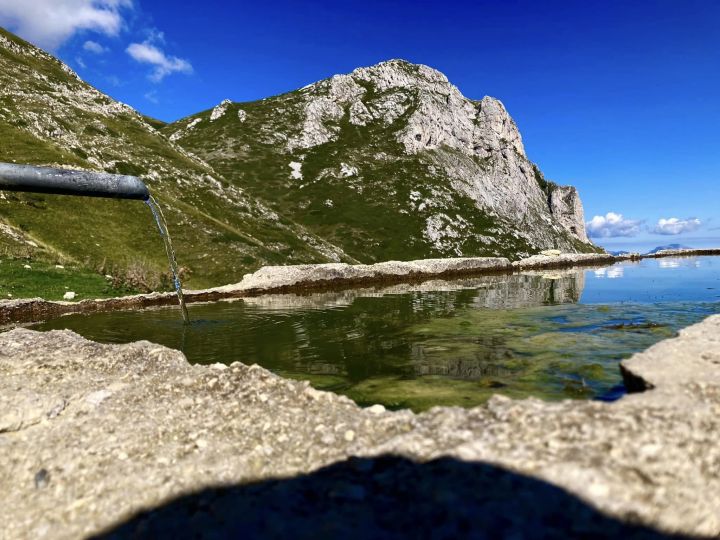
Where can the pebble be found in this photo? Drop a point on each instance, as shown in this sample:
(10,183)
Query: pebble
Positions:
(349,435)
(27,266)
(376,409)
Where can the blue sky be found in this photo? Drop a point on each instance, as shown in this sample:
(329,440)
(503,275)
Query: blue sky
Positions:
(619,98)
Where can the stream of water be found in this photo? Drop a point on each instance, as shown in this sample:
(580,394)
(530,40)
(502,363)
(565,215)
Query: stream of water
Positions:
(165,235)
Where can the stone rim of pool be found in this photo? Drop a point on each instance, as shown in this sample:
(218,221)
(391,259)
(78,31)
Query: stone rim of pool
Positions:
(314,277)
(151,424)
(420,391)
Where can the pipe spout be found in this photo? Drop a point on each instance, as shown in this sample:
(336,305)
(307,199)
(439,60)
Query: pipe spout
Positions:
(32,179)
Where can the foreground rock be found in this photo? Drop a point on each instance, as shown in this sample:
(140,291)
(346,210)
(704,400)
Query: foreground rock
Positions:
(93,435)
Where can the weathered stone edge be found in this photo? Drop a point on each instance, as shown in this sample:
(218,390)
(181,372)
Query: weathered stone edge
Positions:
(316,277)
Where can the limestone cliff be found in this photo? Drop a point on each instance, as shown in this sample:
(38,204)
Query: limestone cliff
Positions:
(391,150)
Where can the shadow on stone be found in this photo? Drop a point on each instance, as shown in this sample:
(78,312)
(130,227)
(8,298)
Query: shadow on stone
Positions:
(387,497)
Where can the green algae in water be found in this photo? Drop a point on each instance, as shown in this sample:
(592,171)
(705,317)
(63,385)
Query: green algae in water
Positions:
(443,343)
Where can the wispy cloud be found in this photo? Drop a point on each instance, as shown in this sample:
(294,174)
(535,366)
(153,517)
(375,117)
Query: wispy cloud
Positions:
(613,225)
(672,226)
(152,97)
(163,64)
(50,23)
(94,47)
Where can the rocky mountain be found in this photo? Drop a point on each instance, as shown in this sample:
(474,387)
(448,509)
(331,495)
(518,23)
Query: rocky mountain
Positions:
(48,116)
(390,162)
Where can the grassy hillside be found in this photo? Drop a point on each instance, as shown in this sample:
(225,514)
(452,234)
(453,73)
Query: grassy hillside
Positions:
(48,116)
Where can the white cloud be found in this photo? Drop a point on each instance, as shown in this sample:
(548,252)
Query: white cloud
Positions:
(152,97)
(672,226)
(612,225)
(49,23)
(94,47)
(163,65)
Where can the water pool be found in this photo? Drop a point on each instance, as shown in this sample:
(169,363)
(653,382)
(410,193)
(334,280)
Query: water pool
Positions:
(553,335)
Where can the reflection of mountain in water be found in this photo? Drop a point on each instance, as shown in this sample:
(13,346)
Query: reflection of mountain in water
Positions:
(364,331)
(481,341)
(531,290)
(494,292)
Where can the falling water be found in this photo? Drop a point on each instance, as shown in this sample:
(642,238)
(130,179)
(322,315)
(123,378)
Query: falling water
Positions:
(165,234)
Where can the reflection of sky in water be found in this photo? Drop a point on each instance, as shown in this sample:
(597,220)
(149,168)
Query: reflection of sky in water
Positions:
(610,273)
(694,279)
(693,262)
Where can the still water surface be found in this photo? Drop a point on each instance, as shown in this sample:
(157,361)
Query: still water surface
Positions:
(551,335)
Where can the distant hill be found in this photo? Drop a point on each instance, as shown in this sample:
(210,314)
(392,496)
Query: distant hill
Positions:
(668,246)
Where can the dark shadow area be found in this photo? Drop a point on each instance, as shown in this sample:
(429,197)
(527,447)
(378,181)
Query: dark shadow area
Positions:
(385,498)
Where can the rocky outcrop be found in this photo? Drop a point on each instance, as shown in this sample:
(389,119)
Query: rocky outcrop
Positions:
(566,208)
(93,434)
(441,117)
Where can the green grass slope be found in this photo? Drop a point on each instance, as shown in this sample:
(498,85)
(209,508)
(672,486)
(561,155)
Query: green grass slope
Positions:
(48,116)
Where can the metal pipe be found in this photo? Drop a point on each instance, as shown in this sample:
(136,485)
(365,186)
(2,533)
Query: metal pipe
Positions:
(34,179)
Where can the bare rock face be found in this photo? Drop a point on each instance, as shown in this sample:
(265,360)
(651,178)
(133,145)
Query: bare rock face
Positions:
(476,143)
(132,441)
(567,209)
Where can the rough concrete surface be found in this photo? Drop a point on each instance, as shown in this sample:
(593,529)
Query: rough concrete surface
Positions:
(132,441)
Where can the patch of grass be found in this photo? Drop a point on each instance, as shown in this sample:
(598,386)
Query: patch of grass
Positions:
(154,122)
(47,281)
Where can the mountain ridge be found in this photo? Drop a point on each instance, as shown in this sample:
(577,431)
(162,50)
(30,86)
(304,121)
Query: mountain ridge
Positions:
(345,129)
